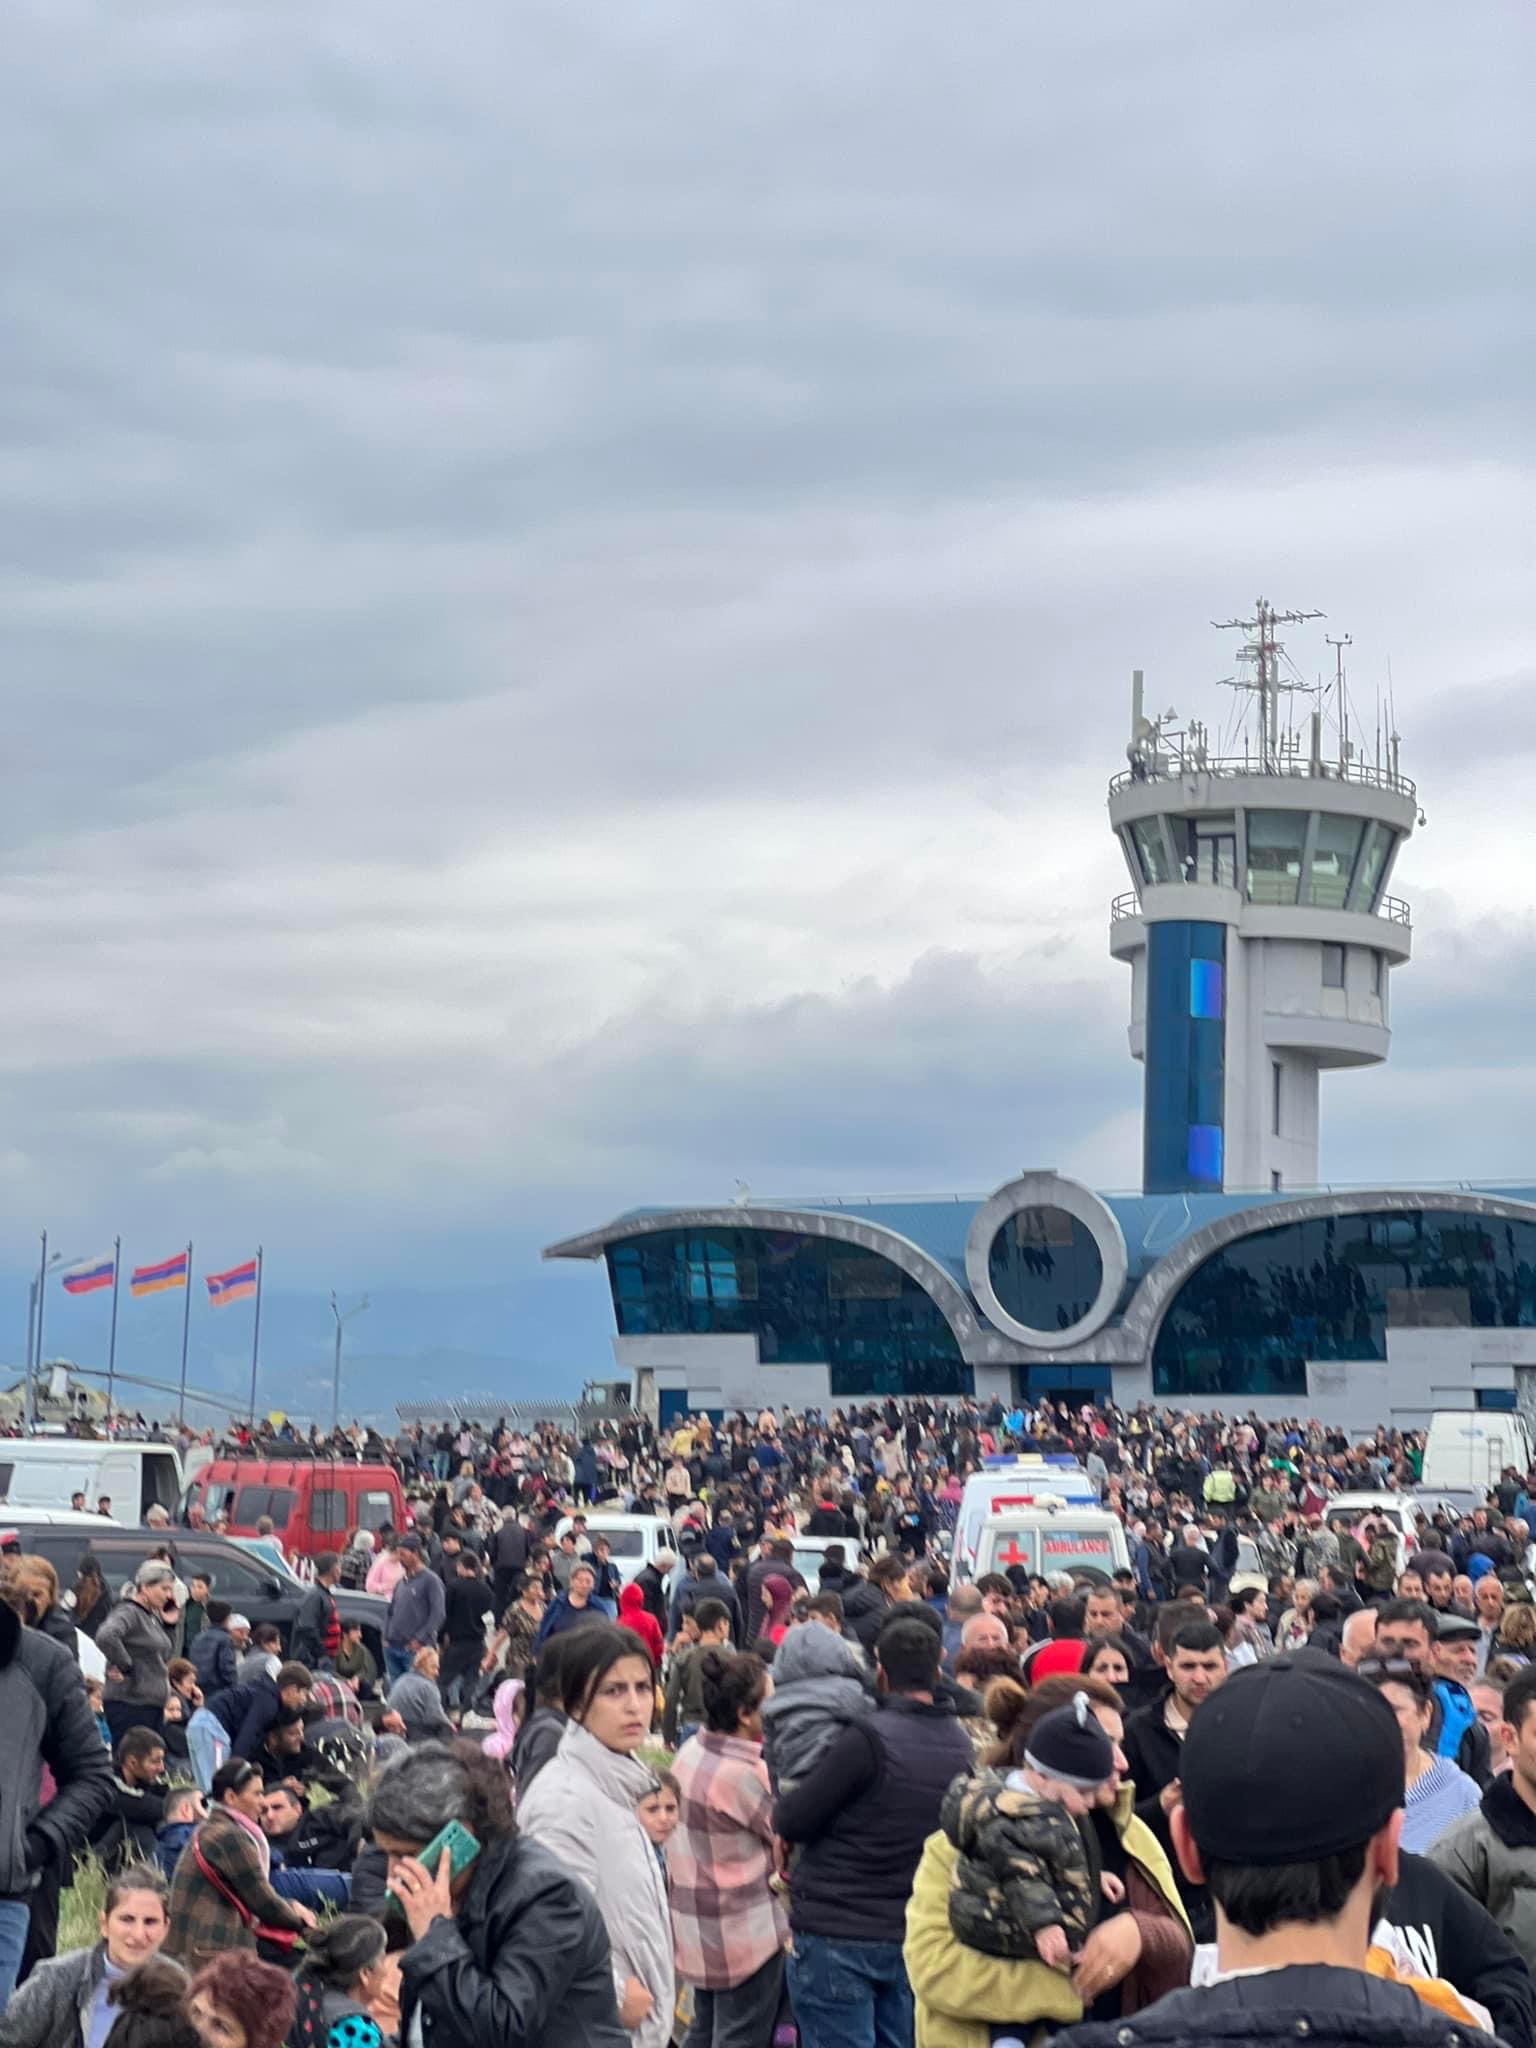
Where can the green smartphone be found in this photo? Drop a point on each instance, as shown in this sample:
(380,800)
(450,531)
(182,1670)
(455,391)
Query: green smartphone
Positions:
(462,1849)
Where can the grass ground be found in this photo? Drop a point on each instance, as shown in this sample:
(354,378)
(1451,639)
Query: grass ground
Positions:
(80,1905)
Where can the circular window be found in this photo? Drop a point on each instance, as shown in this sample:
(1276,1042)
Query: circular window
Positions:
(1046,1268)
(1046,1261)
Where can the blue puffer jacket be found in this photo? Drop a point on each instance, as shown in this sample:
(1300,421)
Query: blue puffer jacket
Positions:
(214,1661)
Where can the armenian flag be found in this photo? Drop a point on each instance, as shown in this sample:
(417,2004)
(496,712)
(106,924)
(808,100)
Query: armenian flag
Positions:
(90,1275)
(235,1285)
(158,1279)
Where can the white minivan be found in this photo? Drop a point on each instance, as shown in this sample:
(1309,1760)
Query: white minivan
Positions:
(1467,1449)
(45,1471)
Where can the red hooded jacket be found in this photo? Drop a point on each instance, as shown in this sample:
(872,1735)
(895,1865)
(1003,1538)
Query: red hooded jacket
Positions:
(633,1616)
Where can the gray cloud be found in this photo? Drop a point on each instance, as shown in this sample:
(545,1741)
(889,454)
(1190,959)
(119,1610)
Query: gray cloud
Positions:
(568,581)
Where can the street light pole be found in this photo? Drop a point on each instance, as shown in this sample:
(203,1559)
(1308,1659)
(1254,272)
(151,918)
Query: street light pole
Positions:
(341,1319)
(35,1330)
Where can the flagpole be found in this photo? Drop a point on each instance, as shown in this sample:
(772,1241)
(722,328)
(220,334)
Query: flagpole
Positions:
(117,1275)
(186,1331)
(42,1296)
(256,1335)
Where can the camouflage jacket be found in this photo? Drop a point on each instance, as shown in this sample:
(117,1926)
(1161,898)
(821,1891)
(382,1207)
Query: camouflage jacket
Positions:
(1022,1866)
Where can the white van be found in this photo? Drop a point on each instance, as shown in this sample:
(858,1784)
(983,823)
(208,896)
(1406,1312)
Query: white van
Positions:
(1064,1537)
(43,1472)
(1005,1487)
(634,1541)
(1467,1449)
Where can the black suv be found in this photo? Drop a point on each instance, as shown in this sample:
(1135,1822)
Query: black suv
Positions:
(252,1586)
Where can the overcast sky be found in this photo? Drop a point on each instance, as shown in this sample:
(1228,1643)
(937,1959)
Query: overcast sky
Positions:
(569,574)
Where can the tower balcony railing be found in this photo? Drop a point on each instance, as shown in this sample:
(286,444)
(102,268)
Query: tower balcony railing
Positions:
(1177,767)
(1320,896)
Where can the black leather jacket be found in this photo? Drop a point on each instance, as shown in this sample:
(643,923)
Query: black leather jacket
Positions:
(524,1963)
(46,1720)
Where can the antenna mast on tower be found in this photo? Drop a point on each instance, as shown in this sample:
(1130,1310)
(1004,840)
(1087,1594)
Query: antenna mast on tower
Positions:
(1264,651)
(1340,702)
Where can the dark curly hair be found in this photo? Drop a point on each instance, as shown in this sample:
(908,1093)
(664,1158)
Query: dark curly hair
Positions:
(1013,1712)
(731,1686)
(983,1662)
(259,1995)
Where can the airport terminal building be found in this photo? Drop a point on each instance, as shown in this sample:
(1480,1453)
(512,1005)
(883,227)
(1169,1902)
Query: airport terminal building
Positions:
(1261,939)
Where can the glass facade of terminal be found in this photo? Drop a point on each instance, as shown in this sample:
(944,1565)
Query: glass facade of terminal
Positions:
(807,1300)
(1249,1319)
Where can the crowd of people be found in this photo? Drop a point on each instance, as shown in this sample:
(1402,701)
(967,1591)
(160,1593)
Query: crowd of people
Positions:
(714,1803)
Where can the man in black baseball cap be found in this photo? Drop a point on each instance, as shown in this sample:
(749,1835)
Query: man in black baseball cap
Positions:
(1292,1781)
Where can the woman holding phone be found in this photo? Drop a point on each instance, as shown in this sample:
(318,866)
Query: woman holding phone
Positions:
(507,1950)
(582,1808)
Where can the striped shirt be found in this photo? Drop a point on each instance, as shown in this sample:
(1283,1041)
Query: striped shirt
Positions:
(726,1922)
(1437,1797)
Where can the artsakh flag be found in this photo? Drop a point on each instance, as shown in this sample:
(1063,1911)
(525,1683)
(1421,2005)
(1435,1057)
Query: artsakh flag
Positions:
(235,1285)
(157,1279)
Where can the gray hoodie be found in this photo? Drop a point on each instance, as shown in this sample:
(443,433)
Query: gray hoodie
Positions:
(817,1690)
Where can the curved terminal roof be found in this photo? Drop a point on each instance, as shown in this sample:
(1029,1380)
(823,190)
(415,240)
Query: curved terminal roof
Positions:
(937,1224)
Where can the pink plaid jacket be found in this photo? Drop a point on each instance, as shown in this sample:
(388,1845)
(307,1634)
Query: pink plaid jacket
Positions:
(725,1921)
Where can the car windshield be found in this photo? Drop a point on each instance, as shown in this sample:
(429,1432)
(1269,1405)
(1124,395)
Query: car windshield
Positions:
(622,1542)
(808,1564)
(258,1546)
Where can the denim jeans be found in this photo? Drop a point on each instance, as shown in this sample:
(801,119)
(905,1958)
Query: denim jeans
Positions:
(207,1747)
(14,1914)
(312,1887)
(850,1994)
(397,1662)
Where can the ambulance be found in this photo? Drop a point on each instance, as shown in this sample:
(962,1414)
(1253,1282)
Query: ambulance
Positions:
(1042,1514)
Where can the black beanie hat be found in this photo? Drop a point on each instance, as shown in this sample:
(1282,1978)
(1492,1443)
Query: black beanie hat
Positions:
(1069,1744)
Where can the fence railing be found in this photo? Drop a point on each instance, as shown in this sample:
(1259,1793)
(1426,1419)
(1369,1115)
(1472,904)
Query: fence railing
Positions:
(1392,908)
(1175,768)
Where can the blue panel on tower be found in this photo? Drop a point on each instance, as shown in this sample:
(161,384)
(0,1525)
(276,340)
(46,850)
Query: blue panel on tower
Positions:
(1184,1107)
(1205,1154)
(1205,988)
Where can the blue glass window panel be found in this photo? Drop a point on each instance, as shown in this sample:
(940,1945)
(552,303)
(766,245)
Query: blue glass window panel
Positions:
(1248,1320)
(1185,1053)
(1205,988)
(888,1336)
(1205,1153)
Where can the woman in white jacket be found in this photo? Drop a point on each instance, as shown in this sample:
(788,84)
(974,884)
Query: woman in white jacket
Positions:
(582,1805)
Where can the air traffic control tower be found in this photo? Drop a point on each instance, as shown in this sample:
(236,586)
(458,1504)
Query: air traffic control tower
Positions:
(1258,929)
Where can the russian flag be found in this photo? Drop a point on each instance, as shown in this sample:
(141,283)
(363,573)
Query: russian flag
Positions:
(156,1279)
(235,1285)
(90,1276)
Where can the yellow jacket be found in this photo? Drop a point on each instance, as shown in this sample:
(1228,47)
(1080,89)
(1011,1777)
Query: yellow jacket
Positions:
(959,1992)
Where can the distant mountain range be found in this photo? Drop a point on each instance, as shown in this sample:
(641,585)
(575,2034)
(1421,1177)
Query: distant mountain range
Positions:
(542,1335)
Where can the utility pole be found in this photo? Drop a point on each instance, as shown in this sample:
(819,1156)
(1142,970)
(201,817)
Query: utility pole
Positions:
(1264,651)
(341,1320)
